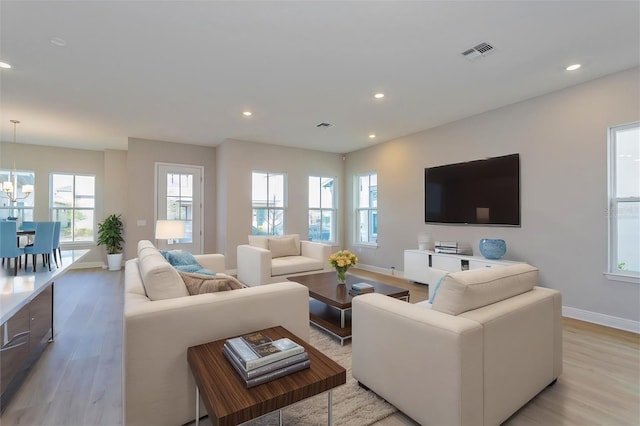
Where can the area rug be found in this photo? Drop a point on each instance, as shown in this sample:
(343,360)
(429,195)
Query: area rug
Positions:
(352,405)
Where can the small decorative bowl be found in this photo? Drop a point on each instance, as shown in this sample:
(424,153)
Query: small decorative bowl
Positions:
(493,248)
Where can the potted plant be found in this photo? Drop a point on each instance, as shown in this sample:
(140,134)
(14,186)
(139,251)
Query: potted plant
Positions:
(110,236)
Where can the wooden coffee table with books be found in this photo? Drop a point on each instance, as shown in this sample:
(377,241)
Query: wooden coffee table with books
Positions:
(227,398)
(330,308)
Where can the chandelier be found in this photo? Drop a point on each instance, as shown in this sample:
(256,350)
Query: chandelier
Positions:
(11,188)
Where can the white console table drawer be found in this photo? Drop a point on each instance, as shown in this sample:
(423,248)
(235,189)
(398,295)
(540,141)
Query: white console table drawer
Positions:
(447,263)
(474,264)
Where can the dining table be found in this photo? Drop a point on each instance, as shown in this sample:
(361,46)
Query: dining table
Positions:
(25,232)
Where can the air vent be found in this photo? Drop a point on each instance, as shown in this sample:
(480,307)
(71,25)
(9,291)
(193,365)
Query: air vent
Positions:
(482,49)
(324,125)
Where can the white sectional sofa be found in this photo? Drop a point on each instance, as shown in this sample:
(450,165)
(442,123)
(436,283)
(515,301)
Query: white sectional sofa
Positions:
(268,258)
(158,388)
(491,341)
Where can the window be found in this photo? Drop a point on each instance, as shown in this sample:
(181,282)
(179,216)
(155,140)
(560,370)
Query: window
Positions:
(72,204)
(23,207)
(624,199)
(268,203)
(367,209)
(322,212)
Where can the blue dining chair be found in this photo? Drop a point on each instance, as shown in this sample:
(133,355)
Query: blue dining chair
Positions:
(9,244)
(29,226)
(56,243)
(42,244)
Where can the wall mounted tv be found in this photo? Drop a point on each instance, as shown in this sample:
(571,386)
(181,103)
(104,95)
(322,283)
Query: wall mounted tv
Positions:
(481,192)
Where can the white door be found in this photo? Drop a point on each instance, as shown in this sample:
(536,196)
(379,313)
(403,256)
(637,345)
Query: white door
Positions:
(179,197)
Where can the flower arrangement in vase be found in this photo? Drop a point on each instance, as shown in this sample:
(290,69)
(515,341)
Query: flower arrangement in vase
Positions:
(342,260)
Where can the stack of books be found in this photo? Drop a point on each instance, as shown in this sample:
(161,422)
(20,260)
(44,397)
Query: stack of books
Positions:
(361,288)
(452,247)
(259,359)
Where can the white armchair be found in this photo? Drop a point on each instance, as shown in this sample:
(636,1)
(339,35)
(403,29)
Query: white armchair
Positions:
(268,259)
(491,341)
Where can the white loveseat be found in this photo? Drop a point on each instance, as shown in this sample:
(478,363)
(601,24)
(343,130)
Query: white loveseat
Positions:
(491,341)
(268,258)
(158,388)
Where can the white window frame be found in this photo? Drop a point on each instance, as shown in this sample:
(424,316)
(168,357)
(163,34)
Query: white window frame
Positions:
(268,205)
(370,211)
(19,210)
(323,210)
(614,273)
(73,208)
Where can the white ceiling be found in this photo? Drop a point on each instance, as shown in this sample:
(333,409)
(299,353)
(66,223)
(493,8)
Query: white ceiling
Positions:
(184,71)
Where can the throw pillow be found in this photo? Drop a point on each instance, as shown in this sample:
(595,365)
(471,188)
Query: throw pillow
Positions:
(200,284)
(180,257)
(280,247)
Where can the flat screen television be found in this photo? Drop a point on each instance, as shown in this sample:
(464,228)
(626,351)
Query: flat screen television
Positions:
(481,192)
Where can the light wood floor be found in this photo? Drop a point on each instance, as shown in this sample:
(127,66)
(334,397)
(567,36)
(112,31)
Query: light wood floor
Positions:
(77,381)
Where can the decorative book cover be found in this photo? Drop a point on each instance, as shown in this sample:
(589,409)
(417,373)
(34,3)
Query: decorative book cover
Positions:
(361,288)
(272,375)
(263,354)
(257,338)
(268,368)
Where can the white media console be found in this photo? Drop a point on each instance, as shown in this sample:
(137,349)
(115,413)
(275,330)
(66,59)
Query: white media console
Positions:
(426,266)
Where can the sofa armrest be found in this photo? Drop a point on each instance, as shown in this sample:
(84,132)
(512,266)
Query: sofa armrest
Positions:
(426,363)
(213,262)
(158,386)
(254,265)
(316,250)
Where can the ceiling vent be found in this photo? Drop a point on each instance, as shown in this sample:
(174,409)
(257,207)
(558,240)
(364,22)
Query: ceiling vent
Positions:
(323,124)
(483,49)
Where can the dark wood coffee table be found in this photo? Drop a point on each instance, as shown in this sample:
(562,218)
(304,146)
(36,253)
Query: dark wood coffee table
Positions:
(330,308)
(229,402)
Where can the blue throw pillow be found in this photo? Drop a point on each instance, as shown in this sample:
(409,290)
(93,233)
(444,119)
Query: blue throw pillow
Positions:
(184,261)
(181,257)
(436,288)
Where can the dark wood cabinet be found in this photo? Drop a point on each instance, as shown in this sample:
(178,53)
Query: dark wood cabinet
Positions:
(41,310)
(23,337)
(15,346)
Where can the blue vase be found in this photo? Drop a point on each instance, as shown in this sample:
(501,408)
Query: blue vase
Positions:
(492,248)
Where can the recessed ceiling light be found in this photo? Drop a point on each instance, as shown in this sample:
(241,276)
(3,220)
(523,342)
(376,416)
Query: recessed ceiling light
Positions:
(573,67)
(247,113)
(379,95)
(58,41)
(4,65)
(372,135)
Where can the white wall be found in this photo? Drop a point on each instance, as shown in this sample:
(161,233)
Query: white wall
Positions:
(562,141)
(142,156)
(237,159)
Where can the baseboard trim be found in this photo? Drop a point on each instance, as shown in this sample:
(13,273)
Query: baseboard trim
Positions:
(88,265)
(383,271)
(602,319)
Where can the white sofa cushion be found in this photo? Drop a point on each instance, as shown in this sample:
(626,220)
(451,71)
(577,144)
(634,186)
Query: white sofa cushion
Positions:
(467,290)
(262,241)
(160,279)
(285,246)
(294,264)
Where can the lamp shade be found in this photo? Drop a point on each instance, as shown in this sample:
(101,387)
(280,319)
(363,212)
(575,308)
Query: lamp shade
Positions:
(27,189)
(169,229)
